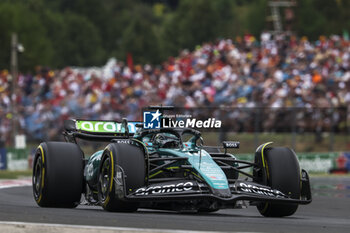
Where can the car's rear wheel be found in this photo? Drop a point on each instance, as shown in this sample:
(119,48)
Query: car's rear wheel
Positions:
(121,160)
(283,174)
(58,175)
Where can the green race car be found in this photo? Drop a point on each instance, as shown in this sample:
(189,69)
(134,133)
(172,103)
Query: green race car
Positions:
(166,168)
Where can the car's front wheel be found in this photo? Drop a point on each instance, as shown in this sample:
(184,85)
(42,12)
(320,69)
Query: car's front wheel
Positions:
(283,174)
(120,161)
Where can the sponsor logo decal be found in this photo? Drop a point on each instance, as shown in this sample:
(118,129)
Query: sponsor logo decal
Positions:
(123,141)
(249,188)
(89,170)
(105,126)
(130,142)
(229,144)
(168,188)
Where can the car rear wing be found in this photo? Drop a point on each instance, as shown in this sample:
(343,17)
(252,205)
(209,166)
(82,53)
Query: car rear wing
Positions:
(98,130)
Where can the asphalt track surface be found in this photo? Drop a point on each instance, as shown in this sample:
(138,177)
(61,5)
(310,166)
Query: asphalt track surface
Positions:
(329,212)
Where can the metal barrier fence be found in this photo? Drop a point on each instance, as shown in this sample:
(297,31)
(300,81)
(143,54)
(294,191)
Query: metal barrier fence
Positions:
(322,123)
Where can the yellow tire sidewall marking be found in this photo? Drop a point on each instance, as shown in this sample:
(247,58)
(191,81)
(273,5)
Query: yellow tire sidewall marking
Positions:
(112,177)
(265,165)
(42,173)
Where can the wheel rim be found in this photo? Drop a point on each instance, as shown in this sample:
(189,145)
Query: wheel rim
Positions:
(105,178)
(37,176)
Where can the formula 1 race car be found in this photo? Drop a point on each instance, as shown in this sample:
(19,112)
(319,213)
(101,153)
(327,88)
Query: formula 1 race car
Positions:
(165,168)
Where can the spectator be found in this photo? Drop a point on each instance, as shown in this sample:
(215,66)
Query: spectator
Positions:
(277,72)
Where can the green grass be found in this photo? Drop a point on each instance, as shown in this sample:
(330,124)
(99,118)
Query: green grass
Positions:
(15,174)
(249,142)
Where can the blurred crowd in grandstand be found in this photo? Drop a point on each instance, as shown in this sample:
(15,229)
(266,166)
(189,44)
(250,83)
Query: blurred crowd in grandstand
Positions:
(246,72)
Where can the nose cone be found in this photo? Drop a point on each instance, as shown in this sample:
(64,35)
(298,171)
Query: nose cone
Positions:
(226,193)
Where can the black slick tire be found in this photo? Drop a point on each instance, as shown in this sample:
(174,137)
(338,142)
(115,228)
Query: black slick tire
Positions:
(128,158)
(58,175)
(283,174)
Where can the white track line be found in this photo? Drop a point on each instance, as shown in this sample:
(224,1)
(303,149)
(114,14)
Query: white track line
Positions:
(15,183)
(34,227)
